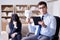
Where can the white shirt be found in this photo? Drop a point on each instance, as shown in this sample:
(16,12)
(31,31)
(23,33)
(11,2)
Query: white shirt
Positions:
(50,21)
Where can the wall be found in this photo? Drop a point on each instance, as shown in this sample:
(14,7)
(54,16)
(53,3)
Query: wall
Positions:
(19,2)
(22,1)
(50,7)
(56,8)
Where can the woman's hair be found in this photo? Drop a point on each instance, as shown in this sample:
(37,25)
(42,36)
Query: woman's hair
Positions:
(15,18)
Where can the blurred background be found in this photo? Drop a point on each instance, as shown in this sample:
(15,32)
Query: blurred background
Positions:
(23,7)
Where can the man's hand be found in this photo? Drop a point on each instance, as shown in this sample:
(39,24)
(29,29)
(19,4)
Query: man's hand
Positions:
(13,35)
(42,23)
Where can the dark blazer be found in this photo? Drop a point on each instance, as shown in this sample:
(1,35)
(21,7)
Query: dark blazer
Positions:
(13,30)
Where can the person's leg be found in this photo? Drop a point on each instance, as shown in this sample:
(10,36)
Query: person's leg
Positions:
(29,34)
(39,36)
(33,37)
(44,38)
(15,38)
(18,37)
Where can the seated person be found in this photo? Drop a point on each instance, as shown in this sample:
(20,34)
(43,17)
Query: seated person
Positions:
(15,28)
(48,24)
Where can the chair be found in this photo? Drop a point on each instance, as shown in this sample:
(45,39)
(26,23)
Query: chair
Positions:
(56,36)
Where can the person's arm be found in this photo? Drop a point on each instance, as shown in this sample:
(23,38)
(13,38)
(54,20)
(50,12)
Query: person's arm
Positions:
(53,25)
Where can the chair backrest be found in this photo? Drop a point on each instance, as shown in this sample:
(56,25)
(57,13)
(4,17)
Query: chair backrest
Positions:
(58,25)
(56,36)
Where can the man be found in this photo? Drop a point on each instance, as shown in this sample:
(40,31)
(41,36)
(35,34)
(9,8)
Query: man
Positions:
(48,24)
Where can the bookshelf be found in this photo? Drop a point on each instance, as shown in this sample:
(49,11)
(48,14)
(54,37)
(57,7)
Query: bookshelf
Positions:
(8,10)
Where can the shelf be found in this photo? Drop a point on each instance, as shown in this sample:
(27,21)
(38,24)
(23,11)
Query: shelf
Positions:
(5,17)
(7,5)
(4,6)
(7,8)
(22,5)
(7,11)
(21,11)
(10,17)
(22,16)
(35,11)
(17,11)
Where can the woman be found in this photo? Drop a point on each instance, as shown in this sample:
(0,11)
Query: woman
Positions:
(15,28)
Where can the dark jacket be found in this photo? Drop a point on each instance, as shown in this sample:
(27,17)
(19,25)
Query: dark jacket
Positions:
(13,30)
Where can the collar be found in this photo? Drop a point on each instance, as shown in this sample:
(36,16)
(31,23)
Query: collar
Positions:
(44,15)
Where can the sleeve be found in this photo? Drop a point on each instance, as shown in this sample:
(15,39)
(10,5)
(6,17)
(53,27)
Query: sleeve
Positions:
(53,25)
